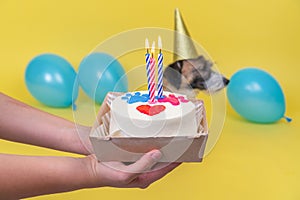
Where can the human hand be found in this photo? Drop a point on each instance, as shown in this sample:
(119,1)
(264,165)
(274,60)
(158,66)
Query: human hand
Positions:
(139,174)
(28,176)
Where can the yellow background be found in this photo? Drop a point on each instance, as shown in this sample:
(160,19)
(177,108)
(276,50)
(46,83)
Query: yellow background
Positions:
(250,161)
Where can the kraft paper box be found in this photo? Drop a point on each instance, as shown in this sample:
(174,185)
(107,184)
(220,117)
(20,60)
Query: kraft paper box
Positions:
(130,149)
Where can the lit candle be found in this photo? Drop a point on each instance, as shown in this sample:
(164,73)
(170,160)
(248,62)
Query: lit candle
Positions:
(160,70)
(152,75)
(147,62)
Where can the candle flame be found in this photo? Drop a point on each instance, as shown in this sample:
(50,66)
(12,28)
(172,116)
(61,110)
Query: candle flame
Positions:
(159,43)
(153,49)
(147,43)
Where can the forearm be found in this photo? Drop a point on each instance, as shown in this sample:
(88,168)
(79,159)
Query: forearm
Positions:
(26,176)
(22,123)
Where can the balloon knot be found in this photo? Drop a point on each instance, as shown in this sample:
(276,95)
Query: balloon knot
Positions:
(288,119)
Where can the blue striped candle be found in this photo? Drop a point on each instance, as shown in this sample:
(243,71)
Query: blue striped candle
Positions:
(160,70)
(147,62)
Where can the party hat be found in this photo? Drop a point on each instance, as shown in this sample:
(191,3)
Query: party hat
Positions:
(183,45)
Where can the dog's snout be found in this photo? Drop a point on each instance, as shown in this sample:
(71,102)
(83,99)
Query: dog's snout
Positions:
(226,81)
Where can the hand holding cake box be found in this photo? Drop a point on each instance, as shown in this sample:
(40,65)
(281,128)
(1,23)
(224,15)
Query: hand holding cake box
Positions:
(131,124)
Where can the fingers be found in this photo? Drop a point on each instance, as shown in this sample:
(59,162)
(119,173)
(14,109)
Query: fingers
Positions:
(121,175)
(139,174)
(146,179)
(145,162)
(153,176)
(130,177)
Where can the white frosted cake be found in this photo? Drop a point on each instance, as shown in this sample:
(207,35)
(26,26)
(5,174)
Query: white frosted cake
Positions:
(171,115)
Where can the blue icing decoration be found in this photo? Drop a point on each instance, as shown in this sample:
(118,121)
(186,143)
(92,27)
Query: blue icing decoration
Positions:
(145,95)
(137,97)
(126,97)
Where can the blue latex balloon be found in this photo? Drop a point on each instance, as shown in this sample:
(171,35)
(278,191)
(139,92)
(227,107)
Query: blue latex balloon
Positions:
(256,96)
(50,79)
(100,73)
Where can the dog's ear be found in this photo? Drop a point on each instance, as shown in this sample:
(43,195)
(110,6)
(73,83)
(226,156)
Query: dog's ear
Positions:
(173,74)
(201,57)
(209,64)
(204,62)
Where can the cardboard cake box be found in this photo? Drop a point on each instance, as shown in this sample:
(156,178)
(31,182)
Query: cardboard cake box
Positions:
(130,149)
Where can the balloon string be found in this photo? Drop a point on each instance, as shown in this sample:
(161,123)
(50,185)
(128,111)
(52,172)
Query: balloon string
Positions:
(287,118)
(74,106)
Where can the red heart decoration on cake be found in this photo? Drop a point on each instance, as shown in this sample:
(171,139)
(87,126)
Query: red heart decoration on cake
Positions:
(151,110)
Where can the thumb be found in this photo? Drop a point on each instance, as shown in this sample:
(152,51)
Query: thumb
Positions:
(145,162)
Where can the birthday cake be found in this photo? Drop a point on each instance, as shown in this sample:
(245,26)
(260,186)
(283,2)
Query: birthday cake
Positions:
(153,113)
(133,123)
(170,115)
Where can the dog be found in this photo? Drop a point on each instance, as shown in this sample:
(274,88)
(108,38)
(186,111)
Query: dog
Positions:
(191,76)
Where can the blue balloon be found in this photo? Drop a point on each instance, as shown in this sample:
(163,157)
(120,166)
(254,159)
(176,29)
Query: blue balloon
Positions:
(51,80)
(256,95)
(100,73)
